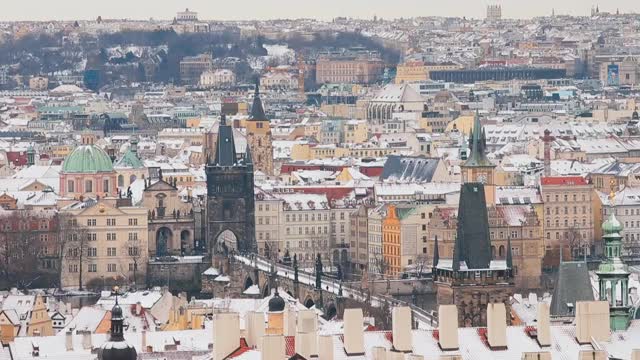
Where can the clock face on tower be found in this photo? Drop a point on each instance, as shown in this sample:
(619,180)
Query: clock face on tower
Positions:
(482,178)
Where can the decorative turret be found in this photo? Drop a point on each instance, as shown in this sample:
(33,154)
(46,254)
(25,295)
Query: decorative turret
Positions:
(257,110)
(116,348)
(613,273)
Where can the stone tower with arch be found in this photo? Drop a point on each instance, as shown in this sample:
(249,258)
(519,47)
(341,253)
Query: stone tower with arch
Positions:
(230,196)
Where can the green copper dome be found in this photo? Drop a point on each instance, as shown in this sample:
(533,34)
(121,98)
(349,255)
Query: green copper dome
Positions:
(612,225)
(87,159)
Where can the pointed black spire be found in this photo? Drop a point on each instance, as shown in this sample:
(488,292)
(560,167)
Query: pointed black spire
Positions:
(472,242)
(477,146)
(117,320)
(257,110)
(248,158)
(509,254)
(436,253)
(225,147)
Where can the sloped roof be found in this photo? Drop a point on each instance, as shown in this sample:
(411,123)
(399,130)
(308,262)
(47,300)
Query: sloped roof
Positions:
(398,93)
(572,285)
(409,168)
(129,160)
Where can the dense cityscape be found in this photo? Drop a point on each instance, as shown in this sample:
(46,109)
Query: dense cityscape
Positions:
(425,188)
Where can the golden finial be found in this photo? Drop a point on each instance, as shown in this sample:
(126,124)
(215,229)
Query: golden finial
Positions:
(612,194)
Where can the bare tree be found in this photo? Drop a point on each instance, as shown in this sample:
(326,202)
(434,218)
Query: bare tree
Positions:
(134,253)
(19,249)
(379,264)
(577,244)
(73,245)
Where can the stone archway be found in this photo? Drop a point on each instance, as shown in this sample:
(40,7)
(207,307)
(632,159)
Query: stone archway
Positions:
(344,256)
(331,311)
(164,237)
(227,241)
(248,282)
(309,303)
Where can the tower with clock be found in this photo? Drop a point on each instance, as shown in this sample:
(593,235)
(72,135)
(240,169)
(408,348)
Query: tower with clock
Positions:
(478,168)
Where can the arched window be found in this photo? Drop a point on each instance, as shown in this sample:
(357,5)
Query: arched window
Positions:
(88,186)
(501,251)
(120,181)
(132,178)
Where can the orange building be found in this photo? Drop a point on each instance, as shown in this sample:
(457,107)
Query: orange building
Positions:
(391,241)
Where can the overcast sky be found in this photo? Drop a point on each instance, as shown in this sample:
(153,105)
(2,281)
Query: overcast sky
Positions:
(265,9)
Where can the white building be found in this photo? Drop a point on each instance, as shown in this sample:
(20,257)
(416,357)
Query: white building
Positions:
(217,78)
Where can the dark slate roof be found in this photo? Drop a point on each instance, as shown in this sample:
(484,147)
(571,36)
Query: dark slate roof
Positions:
(409,168)
(225,148)
(572,285)
(473,244)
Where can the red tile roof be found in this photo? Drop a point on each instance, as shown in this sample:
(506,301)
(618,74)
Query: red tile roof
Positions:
(564,180)
(290,345)
(244,347)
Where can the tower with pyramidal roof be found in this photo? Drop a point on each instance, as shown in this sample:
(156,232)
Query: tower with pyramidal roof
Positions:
(259,135)
(477,167)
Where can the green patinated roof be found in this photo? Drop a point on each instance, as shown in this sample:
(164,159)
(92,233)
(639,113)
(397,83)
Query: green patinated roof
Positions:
(87,159)
(612,225)
(129,160)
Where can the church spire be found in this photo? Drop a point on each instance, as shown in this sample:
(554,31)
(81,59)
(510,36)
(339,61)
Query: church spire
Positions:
(477,145)
(225,147)
(257,110)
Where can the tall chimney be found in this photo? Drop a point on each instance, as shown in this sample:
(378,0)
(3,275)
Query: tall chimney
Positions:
(544,355)
(307,321)
(353,332)
(592,355)
(544,327)
(448,327)
(289,322)
(401,328)
(497,325)
(68,340)
(272,347)
(325,347)
(226,334)
(592,321)
(635,354)
(255,328)
(143,346)
(86,340)
(379,353)
(306,335)
(306,344)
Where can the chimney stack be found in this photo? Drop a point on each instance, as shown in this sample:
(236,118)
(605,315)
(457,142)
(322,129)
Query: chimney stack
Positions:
(272,347)
(536,355)
(143,346)
(289,322)
(307,321)
(592,355)
(325,347)
(226,333)
(401,327)
(379,353)
(635,354)
(415,357)
(86,340)
(255,328)
(592,321)
(68,339)
(306,337)
(395,355)
(353,332)
(497,326)
(544,327)
(448,327)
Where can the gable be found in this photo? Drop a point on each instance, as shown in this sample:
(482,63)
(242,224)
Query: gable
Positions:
(100,209)
(160,185)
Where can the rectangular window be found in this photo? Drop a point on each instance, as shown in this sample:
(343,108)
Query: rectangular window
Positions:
(111,236)
(93,268)
(133,222)
(91,222)
(111,267)
(133,236)
(111,222)
(92,252)
(92,236)
(133,251)
(111,251)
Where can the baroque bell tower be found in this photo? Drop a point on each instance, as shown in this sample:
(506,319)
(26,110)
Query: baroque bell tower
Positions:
(259,135)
